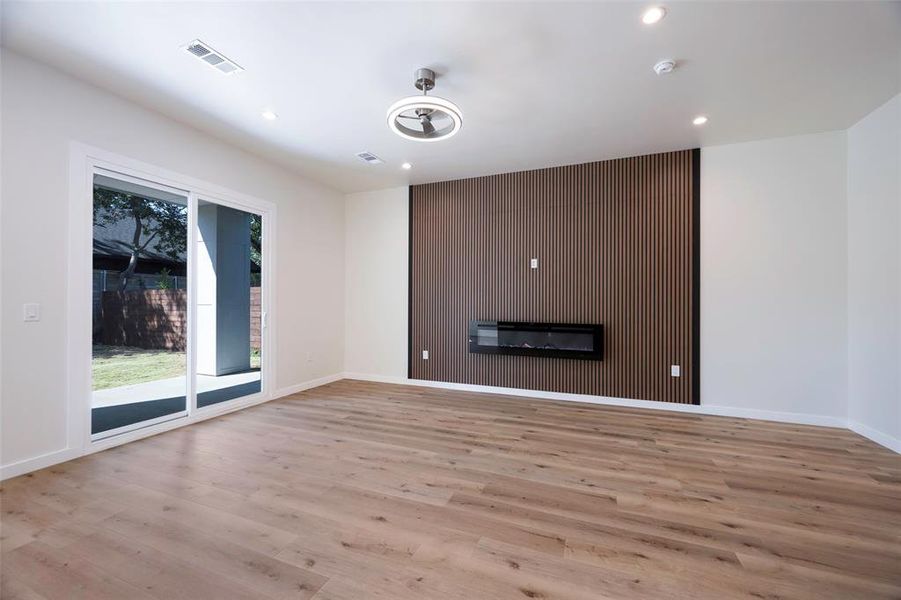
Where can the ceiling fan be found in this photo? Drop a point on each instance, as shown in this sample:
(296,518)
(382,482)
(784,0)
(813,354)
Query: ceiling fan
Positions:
(425,118)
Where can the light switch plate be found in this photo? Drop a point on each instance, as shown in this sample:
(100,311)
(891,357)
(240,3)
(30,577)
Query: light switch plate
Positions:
(675,370)
(533,263)
(425,355)
(31,312)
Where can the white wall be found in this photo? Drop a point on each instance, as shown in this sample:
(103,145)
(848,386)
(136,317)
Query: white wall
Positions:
(377,237)
(874,274)
(43,110)
(773,275)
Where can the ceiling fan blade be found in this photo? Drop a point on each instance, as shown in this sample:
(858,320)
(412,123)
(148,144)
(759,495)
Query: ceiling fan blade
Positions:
(427,127)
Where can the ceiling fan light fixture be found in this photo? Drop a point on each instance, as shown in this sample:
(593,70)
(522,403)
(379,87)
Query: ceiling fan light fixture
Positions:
(426,132)
(425,118)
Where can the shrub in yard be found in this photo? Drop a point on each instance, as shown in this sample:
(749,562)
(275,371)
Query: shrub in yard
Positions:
(165,280)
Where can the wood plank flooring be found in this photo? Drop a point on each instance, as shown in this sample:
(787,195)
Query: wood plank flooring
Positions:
(358,490)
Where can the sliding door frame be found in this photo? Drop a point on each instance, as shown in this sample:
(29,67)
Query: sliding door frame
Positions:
(84,162)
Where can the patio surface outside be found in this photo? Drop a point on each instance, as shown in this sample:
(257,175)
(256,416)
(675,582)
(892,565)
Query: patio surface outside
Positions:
(168,388)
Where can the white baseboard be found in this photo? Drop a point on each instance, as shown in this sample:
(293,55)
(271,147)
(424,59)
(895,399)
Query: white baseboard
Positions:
(773,415)
(306,385)
(388,379)
(52,458)
(38,462)
(703,409)
(883,439)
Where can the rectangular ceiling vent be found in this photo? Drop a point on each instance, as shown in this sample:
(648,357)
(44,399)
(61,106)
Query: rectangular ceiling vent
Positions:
(212,58)
(371,158)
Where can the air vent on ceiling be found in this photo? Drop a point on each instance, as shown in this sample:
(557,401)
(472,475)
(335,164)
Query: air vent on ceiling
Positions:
(214,59)
(371,158)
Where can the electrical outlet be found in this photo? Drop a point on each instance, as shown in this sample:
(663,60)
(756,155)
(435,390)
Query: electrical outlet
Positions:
(675,371)
(31,312)
(309,357)
(425,355)
(533,263)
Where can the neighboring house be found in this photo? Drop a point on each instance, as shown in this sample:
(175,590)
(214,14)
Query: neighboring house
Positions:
(112,250)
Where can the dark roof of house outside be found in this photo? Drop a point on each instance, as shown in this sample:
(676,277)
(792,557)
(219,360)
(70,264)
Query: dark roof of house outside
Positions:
(114,241)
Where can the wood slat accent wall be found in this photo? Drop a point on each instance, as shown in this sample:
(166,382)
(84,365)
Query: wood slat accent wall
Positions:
(617,244)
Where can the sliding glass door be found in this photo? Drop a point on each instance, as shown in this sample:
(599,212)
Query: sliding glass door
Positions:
(139,310)
(178,307)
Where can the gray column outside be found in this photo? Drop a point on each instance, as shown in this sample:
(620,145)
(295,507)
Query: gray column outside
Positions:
(223,290)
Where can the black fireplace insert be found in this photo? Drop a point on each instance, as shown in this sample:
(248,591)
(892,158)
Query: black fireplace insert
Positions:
(559,340)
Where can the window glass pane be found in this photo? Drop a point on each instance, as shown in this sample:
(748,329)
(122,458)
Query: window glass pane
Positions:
(139,305)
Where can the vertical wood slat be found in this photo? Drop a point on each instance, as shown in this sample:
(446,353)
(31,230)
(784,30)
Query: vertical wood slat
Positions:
(616,244)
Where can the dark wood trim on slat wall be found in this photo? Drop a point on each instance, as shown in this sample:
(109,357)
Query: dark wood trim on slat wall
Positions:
(617,244)
(410,285)
(696,276)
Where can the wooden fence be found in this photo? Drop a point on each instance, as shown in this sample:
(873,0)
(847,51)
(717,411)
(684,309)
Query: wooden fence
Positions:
(157,319)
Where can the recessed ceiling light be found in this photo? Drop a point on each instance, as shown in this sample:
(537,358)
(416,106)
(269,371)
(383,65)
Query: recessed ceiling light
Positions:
(653,15)
(269,115)
(665,66)
(699,120)
(406,166)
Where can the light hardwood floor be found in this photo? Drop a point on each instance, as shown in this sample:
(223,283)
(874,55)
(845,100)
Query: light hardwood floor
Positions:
(359,490)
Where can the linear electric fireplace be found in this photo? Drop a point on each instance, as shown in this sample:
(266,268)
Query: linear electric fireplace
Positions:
(559,340)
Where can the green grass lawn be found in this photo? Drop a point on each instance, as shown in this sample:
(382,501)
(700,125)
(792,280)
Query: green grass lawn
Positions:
(114,366)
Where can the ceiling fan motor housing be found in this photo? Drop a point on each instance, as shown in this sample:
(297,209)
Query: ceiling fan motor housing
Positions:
(425,79)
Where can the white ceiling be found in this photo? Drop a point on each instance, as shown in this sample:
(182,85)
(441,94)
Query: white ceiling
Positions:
(539,84)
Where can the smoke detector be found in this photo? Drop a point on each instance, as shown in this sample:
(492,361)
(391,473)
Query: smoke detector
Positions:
(665,66)
(424,118)
(203,51)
